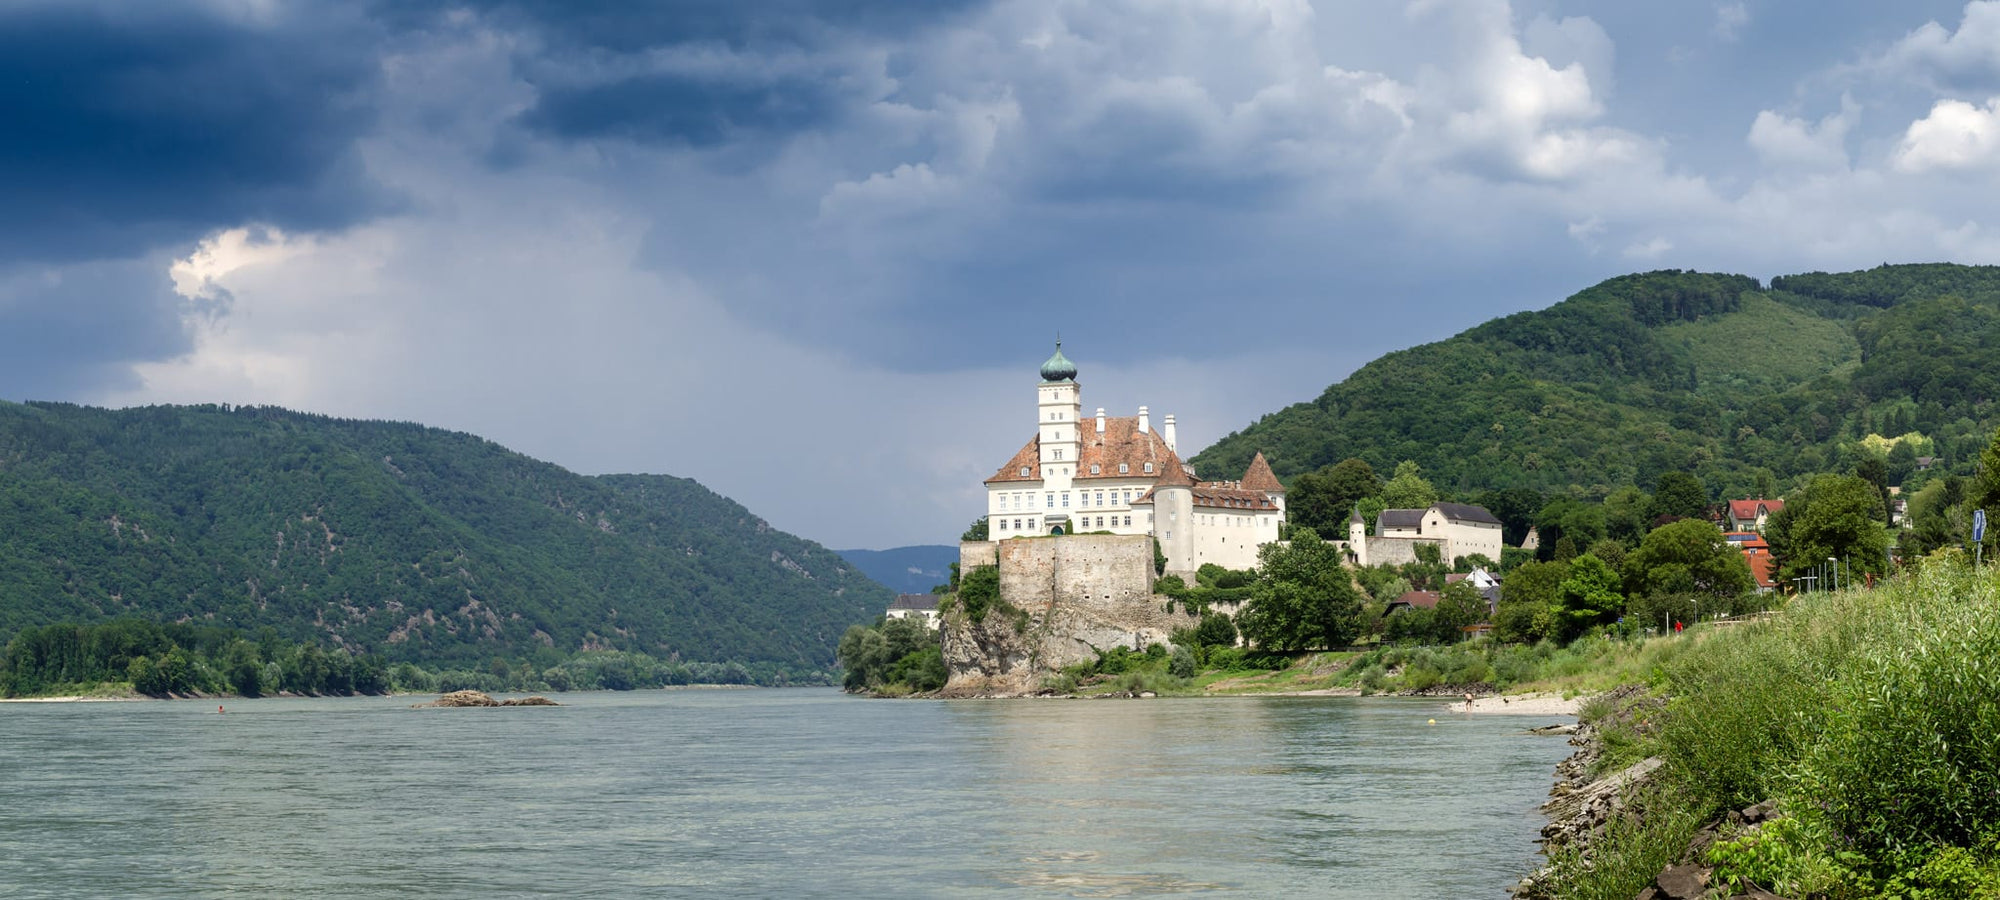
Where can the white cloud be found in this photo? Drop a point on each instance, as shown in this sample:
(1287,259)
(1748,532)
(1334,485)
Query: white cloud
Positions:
(1931,50)
(1649,250)
(1955,135)
(1785,142)
(1730,18)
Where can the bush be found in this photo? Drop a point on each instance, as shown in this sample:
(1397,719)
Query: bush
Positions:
(1181,664)
(1870,716)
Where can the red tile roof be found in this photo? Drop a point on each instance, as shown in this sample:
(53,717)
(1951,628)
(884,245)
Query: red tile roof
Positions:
(1121,442)
(1747,509)
(1029,457)
(1763,567)
(1259,476)
(1223,495)
(1424,599)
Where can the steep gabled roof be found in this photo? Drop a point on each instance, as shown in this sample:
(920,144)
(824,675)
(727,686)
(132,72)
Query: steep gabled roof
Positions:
(1417,599)
(1747,509)
(1466,512)
(1120,442)
(1399,518)
(1259,476)
(1214,494)
(1029,456)
(917,602)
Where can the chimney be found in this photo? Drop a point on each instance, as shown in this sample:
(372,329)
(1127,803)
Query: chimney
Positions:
(1145,421)
(1169,435)
(1100,420)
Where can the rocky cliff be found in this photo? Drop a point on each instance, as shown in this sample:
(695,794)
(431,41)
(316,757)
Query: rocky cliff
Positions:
(1062,601)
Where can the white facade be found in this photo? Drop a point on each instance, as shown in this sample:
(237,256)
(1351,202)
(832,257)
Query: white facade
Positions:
(1458,529)
(1118,474)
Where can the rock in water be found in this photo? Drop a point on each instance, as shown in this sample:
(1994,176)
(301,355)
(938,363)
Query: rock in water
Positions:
(478,698)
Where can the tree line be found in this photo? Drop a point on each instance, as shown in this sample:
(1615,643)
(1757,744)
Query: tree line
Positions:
(182,659)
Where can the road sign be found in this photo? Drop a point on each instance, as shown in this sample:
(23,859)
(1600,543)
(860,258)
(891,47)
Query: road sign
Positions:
(1978,525)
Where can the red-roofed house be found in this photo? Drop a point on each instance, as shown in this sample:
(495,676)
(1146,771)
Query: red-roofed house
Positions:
(1414,600)
(1751,515)
(1763,567)
(1119,474)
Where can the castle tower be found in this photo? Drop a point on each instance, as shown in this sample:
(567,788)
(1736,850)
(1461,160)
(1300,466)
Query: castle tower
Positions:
(1059,403)
(1259,477)
(1357,538)
(1173,522)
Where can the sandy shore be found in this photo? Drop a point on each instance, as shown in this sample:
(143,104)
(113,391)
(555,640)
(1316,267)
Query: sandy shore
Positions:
(1520,705)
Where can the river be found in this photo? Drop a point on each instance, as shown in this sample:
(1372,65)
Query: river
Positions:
(768,793)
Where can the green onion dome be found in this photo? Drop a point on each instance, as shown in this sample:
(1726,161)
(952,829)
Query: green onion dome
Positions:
(1059,368)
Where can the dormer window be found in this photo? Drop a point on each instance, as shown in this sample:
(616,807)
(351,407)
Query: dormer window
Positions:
(1124,468)
(1093,468)
(1024,471)
(1149,468)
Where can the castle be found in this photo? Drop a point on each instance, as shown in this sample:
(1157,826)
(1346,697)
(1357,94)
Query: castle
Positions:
(1118,474)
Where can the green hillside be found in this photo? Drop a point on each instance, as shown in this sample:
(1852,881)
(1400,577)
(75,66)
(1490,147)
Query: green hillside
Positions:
(419,544)
(1667,371)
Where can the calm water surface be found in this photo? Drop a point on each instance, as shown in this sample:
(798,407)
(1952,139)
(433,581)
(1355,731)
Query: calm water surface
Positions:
(768,793)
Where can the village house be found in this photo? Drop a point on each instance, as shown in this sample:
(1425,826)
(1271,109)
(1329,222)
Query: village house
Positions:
(915,606)
(1756,553)
(1457,529)
(1751,515)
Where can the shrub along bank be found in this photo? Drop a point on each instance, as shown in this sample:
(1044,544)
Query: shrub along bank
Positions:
(133,656)
(1871,717)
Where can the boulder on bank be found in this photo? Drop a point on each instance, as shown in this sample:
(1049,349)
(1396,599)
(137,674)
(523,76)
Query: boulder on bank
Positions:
(479,698)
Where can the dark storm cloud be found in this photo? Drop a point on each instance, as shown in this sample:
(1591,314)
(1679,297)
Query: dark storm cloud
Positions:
(76,330)
(126,127)
(700,112)
(619,26)
(592,67)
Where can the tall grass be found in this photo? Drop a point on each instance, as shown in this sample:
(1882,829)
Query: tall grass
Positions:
(1589,665)
(1872,716)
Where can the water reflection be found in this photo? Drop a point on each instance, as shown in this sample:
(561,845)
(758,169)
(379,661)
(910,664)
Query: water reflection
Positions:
(1126,798)
(795,793)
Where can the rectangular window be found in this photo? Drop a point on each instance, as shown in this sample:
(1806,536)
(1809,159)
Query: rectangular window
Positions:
(1128,521)
(1065,499)
(1100,498)
(1058,454)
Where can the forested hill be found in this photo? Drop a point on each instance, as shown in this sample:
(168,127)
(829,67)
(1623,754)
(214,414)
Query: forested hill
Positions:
(1668,371)
(419,544)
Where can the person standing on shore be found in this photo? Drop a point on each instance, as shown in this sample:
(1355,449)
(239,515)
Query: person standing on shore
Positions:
(1468,702)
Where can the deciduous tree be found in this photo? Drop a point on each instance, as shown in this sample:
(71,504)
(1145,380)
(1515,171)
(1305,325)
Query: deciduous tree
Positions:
(1304,599)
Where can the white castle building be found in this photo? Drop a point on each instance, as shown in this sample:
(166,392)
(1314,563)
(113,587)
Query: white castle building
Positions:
(1117,474)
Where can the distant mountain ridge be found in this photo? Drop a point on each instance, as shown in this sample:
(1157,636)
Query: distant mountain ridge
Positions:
(906,570)
(418,543)
(1642,374)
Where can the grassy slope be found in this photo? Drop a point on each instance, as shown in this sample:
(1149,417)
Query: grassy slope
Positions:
(1767,346)
(1873,717)
(1615,385)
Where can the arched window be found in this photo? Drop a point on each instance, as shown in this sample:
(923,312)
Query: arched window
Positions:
(1124,468)
(1024,471)
(1094,468)
(1149,468)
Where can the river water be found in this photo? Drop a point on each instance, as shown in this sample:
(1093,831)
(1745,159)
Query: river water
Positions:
(768,793)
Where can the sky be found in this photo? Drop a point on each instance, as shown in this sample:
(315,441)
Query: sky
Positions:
(812,253)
